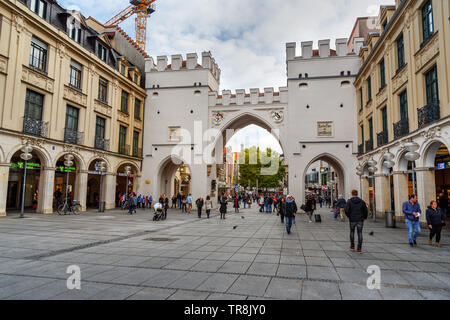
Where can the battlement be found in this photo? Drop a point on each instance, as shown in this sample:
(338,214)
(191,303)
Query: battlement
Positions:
(178,64)
(269,96)
(323,50)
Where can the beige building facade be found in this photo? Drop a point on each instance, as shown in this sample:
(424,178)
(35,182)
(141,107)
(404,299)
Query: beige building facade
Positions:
(403,95)
(64,88)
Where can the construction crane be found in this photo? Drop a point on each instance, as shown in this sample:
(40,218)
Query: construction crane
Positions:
(143,9)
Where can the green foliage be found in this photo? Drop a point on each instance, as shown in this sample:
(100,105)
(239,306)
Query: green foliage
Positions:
(263,166)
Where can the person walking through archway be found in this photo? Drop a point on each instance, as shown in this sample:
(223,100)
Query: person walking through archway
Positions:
(310,207)
(290,211)
(340,206)
(208,206)
(236,204)
(356,211)
(282,209)
(435,220)
(412,212)
(199,203)
(223,206)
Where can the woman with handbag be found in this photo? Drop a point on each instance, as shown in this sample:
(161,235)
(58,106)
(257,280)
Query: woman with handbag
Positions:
(435,220)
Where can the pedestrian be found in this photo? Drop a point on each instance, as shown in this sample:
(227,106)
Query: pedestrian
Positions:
(412,212)
(340,205)
(179,199)
(189,202)
(435,220)
(320,201)
(236,204)
(183,203)
(249,202)
(223,206)
(310,207)
(174,201)
(443,202)
(150,200)
(290,212)
(199,203)
(282,209)
(356,211)
(208,206)
(131,204)
(261,204)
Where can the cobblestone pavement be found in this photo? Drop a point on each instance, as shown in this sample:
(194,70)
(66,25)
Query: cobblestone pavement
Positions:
(247,256)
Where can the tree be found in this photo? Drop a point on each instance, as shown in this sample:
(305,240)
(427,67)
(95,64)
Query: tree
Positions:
(266,167)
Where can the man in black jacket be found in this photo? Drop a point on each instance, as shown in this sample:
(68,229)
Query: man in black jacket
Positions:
(356,211)
(290,211)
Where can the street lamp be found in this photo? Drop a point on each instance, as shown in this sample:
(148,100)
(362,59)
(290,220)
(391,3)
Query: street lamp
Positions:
(101,168)
(412,156)
(372,169)
(68,163)
(25,155)
(360,173)
(389,163)
(127,172)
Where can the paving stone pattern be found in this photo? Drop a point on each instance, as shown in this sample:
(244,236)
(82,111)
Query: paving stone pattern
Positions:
(247,256)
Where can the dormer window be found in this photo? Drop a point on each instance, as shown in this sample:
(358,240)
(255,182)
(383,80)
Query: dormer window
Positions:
(101,52)
(39,7)
(122,69)
(75,31)
(136,78)
(384,25)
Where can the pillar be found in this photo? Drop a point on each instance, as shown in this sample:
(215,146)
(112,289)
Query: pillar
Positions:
(400,191)
(46,185)
(137,184)
(109,190)
(381,194)
(365,191)
(81,188)
(426,189)
(199,181)
(4,176)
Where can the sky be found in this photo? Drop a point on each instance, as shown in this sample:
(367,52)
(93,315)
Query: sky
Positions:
(247,38)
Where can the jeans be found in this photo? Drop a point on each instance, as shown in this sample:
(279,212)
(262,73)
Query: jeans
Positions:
(245,203)
(183,207)
(413,230)
(208,211)
(310,214)
(199,212)
(436,230)
(261,208)
(359,225)
(289,221)
(335,214)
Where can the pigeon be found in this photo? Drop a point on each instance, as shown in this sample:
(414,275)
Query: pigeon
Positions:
(242,217)
(234,227)
(371,233)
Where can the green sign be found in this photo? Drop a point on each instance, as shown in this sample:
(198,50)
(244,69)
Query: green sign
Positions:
(65,169)
(30,165)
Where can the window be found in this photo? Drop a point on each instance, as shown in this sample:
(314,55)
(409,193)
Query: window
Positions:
(135,143)
(427,20)
(174,133)
(382,74)
(103,90)
(384,120)
(362,133)
(74,32)
(72,118)
(75,74)
(124,102)
(384,25)
(137,109)
(100,125)
(101,52)
(39,7)
(370,129)
(34,103)
(122,139)
(400,52)
(369,90)
(403,106)
(38,55)
(361,99)
(136,78)
(431,83)
(122,69)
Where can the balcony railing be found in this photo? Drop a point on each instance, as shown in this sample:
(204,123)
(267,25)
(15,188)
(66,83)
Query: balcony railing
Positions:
(369,145)
(101,143)
(73,136)
(428,114)
(137,152)
(361,149)
(35,127)
(382,138)
(124,149)
(401,128)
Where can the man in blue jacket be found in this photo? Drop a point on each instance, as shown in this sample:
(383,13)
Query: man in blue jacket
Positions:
(412,212)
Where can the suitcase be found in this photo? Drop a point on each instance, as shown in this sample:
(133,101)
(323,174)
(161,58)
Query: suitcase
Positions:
(318,218)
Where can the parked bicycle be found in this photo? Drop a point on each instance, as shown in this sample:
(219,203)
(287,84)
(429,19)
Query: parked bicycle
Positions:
(67,208)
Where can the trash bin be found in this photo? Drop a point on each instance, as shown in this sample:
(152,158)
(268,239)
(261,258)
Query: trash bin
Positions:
(390,219)
(101,206)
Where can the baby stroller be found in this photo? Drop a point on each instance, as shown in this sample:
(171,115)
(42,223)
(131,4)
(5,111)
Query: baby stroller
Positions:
(158,212)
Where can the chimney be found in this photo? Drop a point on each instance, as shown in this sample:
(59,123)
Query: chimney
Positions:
(191,61)
(324,48)
(177,59)
(149,64)
(290,50)
(254,96)
(162,63)
(206,60)
(240,96)
(268,95)
(307,49)
(358,43)
(341,47)
(226,95)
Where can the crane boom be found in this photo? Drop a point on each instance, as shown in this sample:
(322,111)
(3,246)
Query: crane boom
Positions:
(121,16)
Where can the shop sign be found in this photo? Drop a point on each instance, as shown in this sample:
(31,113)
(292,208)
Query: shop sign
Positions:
(65,169)
(30,165)
(121,174)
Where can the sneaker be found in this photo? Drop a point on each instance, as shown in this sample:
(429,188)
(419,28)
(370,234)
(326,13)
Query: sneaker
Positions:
(411,244)
(415,243)
(310,221)
(430,242)
(352,248)
(437,245)
(359,251)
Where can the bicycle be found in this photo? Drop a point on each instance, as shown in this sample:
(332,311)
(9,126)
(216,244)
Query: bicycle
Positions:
(66,208)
